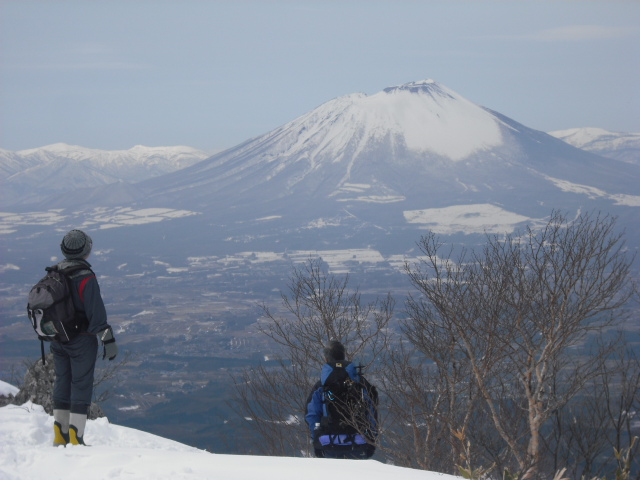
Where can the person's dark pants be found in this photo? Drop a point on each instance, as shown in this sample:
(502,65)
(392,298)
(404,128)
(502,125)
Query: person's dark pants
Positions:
(354,452)
(74,365)
(358,454)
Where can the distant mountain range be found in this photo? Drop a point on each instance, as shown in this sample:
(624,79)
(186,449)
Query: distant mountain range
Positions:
(29,176)
(621,146)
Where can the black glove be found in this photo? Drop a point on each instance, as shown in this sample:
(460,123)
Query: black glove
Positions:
(108,343)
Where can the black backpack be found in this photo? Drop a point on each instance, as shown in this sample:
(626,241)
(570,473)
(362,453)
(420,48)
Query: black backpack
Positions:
(50,306)
(350,406)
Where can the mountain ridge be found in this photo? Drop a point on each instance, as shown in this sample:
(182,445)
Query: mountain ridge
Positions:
(619,145)
(64,167)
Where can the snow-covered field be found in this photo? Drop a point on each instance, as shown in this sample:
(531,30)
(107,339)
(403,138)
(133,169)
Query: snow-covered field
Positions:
(100,218)
(337,260)
(118,452)
(482,218)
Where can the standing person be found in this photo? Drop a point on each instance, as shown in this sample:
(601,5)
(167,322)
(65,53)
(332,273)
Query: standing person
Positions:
(342,409)
(75,361)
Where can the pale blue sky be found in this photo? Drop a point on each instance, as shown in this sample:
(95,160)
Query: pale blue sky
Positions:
(112,74)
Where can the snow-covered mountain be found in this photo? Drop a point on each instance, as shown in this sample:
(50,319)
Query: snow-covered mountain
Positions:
(618,145)
(388,160)
(349,144)
(31,175)
(362,171)
(120,452)
(407,144)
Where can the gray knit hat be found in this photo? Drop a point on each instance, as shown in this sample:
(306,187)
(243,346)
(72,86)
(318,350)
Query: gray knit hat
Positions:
(76,244)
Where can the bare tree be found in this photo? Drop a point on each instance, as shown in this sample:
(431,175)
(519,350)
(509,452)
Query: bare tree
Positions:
(319,307)
(108,376)
(515,315)
(422,410)
(600,420)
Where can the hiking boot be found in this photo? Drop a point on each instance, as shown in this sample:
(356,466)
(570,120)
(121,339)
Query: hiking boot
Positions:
(60,427)
(74,438)
(77,423)
(59,437)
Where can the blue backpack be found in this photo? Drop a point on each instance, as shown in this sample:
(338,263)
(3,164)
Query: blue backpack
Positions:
(349,420)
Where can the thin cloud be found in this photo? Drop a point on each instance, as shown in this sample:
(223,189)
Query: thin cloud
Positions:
(578,33)
(73,56)
(81,66)
(570,33)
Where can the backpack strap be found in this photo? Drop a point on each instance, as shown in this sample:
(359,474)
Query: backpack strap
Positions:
(82,285)
(330,367)
(70,273)
(74,271)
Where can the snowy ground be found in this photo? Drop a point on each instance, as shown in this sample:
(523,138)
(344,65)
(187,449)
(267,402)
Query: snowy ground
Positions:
(7,389)
(124,453)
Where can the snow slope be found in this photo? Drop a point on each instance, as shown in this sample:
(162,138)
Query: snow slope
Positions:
(128,454)
(618,145)
(7,389)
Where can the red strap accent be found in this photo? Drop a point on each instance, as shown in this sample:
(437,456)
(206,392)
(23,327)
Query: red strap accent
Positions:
(82,285)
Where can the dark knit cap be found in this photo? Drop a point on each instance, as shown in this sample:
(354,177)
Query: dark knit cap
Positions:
(334,351)
(76,244)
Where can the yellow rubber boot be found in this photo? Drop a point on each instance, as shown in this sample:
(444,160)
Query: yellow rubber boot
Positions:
(59,437)
(60,427)
(77,423)
(74,438)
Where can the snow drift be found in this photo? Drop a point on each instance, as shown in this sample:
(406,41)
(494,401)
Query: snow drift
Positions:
(125,453)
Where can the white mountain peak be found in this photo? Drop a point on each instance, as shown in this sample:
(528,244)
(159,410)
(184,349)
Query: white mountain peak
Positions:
(422,116)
